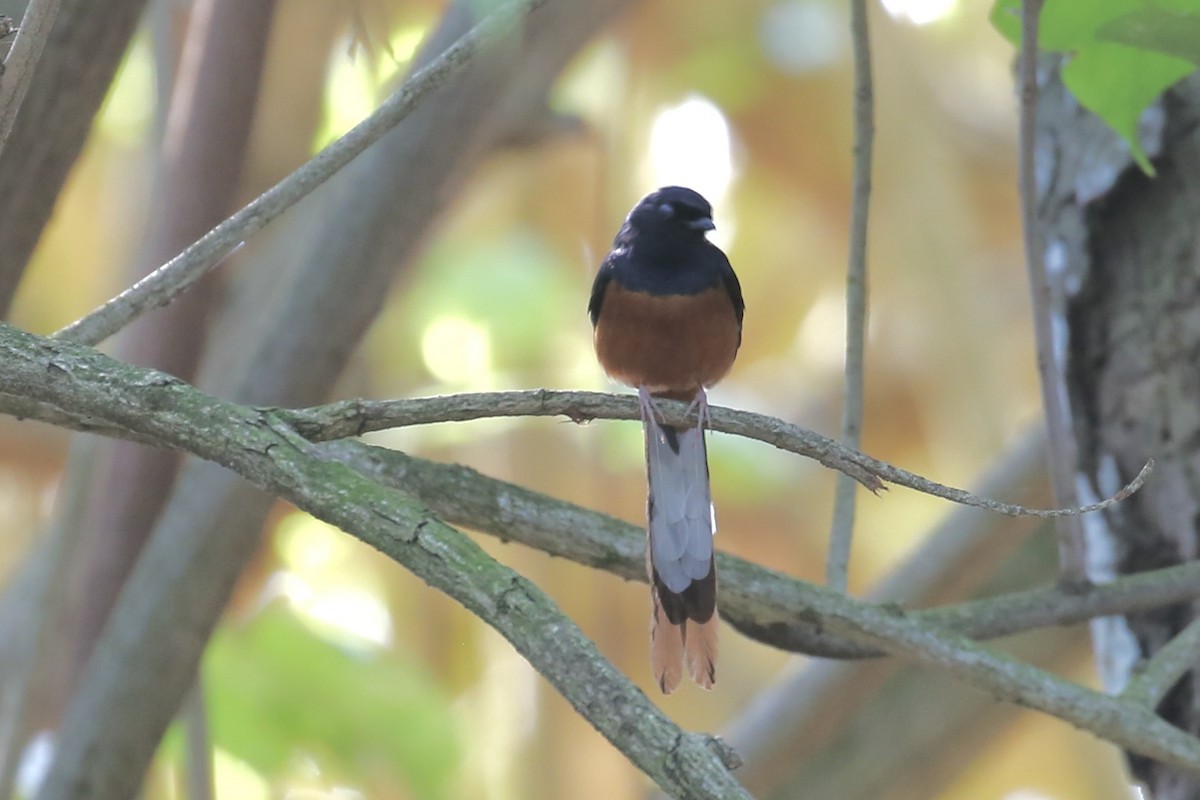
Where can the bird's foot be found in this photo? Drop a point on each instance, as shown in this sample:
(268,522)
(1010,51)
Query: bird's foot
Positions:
(649,408)
(699,404)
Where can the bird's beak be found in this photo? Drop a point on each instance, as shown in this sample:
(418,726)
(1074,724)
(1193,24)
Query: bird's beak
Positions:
(702,224)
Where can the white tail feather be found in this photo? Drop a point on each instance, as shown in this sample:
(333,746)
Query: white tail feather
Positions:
(680,506)
(679,554)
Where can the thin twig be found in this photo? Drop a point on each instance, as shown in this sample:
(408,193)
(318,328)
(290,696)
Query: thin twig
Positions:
(1051,347)
(33,612)
(1159,675)
(355,417)
(842,528)
(168,281)
(348,418)
(18,66)
(198,762)
(206,131)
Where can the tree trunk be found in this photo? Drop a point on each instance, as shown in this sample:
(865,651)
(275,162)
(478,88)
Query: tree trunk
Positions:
(1121,254)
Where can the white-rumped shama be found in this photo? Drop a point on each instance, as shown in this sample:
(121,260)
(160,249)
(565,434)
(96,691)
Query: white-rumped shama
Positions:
(666,310)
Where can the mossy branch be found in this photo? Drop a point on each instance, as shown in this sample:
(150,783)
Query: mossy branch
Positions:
(271,455)
(266,449)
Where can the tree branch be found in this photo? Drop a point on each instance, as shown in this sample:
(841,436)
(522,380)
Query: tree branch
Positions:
(346,418)
(1050,339)
(356,417)
(273,457)
(24,408)
(19,65)
(288,335)
(263,449)
(168,281)
(462,496)
(211,109)
(762,604)
(198,766)
(809,711)
(1162,671)
(36,617)
(72,78)
(842,528)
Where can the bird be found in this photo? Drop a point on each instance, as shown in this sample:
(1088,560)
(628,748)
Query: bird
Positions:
(666,310)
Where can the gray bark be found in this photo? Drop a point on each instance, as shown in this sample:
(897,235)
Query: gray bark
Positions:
(1121,252)
(290,333)
(65,91)
(196,185)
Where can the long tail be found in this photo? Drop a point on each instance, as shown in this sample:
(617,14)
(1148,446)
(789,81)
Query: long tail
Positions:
(679,556)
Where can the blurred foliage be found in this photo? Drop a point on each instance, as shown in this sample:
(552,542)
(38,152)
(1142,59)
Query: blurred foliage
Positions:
(365,714)
(1123,53)
(749,102)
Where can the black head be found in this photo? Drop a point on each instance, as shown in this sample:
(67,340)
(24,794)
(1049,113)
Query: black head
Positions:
(662,250)
(672,211)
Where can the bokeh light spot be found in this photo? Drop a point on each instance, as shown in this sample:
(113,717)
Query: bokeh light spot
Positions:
(919,12)
(233,777)
(322,583)
(821,337)
(801,36)
(351,615)
(457,351)
(358,78)
(129,108)
(349,97)
(305,543)
(690,145)
(404,43)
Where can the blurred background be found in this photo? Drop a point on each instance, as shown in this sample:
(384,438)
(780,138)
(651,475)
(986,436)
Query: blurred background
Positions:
(337,674)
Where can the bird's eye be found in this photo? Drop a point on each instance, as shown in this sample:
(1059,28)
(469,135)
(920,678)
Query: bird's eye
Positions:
(666,210)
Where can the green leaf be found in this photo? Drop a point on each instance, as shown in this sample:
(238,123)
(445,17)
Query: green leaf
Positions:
(1006,18)
(1117,82)
(1065,25)
(1070,25)
(1177,6)
(1123,53)
(1171,31)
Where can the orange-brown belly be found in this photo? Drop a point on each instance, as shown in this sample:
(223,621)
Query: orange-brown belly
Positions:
(672,344)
